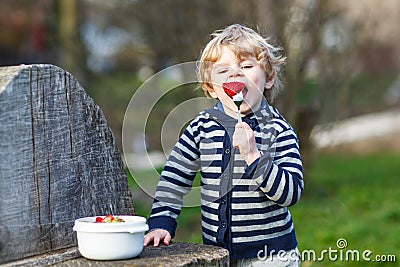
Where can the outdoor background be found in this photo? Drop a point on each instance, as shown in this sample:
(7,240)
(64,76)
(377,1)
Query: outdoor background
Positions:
(342,93)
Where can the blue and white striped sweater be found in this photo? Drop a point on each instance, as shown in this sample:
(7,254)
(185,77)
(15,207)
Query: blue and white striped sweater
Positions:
(244,208)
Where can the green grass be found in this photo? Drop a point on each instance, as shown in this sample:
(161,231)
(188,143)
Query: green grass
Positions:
(346,196)
(189,221)
(350,197)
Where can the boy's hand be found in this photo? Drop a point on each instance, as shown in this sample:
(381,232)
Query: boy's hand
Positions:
(243,139)
(156,236)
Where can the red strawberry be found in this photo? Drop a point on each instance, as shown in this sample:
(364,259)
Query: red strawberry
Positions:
(109,218)
(99,220)
(232,88)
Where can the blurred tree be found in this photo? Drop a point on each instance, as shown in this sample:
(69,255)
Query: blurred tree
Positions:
(341,54)
(324,51)
(72,54)
(297,25)
(325,57)
(176,30)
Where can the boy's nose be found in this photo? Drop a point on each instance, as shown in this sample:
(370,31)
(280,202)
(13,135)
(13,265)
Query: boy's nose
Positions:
(235,72)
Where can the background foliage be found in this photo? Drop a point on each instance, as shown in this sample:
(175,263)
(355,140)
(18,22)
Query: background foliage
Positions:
(342,55)
(343,60)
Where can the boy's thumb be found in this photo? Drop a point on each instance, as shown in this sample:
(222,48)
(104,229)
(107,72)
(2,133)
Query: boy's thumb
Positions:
(246,126)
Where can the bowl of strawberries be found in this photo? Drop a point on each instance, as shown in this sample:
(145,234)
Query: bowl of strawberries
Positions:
(110,237)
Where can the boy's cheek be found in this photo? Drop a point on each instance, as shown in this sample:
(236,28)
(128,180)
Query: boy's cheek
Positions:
(218,80)
(226,100)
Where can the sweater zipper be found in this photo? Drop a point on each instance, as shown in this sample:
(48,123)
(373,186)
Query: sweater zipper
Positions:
(226,221)
(229,200)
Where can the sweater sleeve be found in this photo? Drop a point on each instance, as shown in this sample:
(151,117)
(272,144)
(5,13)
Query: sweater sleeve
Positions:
(278,173)
(175,182)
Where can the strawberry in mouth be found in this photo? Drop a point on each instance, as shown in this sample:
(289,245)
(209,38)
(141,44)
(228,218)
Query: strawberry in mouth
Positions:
(236,91)
(232,88)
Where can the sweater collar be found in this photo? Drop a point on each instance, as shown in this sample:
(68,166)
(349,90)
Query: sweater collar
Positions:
(262,115)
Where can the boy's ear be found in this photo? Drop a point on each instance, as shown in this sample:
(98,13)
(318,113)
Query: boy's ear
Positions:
(211,91)
(270,83)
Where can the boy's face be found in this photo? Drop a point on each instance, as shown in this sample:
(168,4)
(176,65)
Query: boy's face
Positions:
(229,68)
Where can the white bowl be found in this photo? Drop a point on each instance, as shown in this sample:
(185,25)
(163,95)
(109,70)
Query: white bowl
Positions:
(110,241)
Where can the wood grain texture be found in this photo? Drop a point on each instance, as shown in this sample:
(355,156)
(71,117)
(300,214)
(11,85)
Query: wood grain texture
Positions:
(175,254)
(58,161)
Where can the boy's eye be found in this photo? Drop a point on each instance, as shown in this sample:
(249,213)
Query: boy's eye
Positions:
(222,71)
(247,66)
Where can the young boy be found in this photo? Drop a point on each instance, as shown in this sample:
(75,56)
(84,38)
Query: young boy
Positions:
(251,171)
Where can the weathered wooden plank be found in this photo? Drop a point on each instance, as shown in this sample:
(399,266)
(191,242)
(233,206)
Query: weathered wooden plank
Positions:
(58,161)
(176,254)
(46,259)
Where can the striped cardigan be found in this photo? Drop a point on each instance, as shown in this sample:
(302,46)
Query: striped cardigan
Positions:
(244,208)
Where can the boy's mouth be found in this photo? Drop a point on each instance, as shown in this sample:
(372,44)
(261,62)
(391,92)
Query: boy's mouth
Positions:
(244,92)
(233,88)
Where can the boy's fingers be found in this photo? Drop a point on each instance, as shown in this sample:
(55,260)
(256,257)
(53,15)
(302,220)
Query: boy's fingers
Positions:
(167,239)
(246,126)
(156,240)
(235,142)
(146,241)
(157,236)
(240,124)
(243,125)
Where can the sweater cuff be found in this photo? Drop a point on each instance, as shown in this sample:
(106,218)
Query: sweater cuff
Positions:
(259,169)
(162,222)
(249,171)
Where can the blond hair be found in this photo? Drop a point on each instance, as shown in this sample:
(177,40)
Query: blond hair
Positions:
(244,42)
